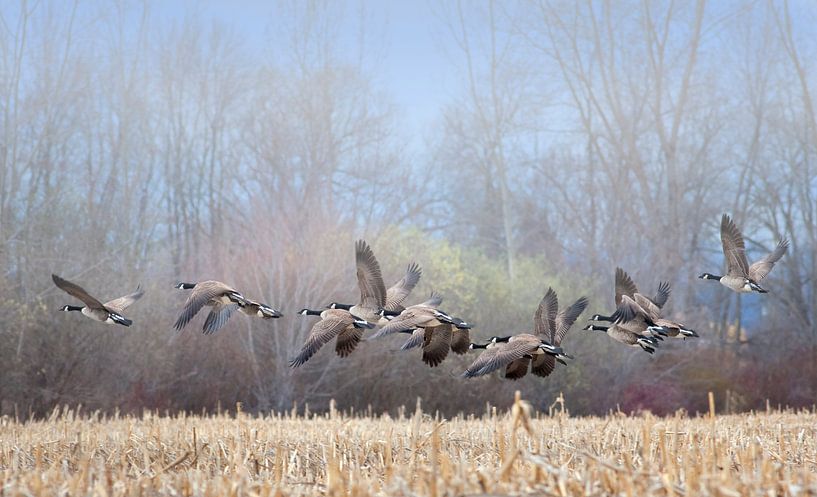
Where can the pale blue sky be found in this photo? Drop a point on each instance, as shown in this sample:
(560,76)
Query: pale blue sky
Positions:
(410,63)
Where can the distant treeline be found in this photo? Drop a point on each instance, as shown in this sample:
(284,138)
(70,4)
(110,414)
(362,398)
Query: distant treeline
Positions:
(580,138)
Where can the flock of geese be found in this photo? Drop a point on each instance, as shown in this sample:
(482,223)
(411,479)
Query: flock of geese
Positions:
(636,321)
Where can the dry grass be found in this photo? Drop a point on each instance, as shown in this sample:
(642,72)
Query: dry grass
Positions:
(755,454)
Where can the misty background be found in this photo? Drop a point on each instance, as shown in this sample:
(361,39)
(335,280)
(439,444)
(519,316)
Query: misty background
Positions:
(504,146)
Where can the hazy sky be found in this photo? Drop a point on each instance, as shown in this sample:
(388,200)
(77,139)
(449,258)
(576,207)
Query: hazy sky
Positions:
(412,66)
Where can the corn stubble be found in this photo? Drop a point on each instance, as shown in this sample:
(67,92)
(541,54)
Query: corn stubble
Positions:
(517,453)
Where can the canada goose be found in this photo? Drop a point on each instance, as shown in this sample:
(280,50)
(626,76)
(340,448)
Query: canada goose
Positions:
(552,326)
(219,315)
(516,369)
(635,311)
(222,298)
(250,308)
(424,315)
(508,350)
(643,311)
(626,291)
(544,364)
(740,276)
(433,301)
(418,334)
(674,329)
(395,295)
(109,312)
(640,312)
(621,335)
(437,341)
(334,323)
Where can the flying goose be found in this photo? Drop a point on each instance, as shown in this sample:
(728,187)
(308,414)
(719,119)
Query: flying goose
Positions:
(507,351)
(334,323)
(627,294)
(633,332)
(643,311)
(434,301)
(621,335)
(223,299)
(395,295)
(515,353)
(424,315)
(417,334)
(109,312)
(740,276)
(551,325)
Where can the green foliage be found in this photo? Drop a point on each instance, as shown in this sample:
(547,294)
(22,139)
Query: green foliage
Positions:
(474,285)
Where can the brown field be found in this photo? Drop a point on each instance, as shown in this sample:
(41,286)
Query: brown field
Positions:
(516,453)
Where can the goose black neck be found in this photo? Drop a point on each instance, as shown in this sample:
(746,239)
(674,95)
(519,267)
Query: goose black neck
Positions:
(387,312)
(186,286)
(594,327)
(503,339)
(72,308)
(310,312)
(710,276)
(478,346)
(345,307)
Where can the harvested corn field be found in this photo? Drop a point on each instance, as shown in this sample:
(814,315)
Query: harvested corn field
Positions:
(515,453)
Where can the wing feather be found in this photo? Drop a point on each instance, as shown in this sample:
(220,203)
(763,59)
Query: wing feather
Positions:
(401,290)
(322,332)
(662,295)
(544,322)
(78,292)
(627,311)
(543,365)
(217,317)
(369,278)
(733,248)
(759,269)
(517,369)
(119,305)
(647,306)
(566,318)
(415,340)
(433,301)
(347,340)
(436,344)
(460,341)
(499,356)
(624,285)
